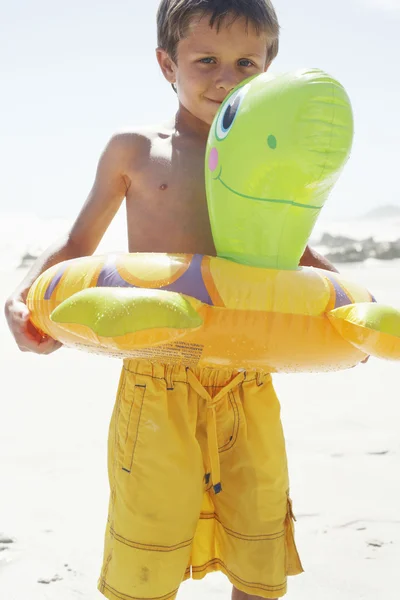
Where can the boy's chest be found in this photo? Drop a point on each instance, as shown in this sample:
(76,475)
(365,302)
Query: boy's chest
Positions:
(166,203)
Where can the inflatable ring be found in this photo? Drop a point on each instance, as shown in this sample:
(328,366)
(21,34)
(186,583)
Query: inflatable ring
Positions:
(275,150)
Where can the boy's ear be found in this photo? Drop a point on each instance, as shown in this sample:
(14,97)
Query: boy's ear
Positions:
(167,65)
(267,66)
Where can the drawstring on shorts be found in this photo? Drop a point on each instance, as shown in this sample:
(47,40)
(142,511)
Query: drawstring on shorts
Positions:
(212,432)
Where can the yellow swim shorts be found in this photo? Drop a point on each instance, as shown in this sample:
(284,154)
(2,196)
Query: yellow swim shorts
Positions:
(199,483)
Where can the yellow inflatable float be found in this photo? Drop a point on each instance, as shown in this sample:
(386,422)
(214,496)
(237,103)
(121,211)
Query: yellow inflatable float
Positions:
(275,150)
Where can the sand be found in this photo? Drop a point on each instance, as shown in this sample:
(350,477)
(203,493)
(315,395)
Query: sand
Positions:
(343,442)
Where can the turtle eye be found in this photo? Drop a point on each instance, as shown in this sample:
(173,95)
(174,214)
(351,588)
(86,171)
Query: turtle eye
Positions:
(228,113)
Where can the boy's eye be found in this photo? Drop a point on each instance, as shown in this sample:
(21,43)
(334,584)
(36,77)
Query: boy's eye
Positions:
(207,61)
(244,62)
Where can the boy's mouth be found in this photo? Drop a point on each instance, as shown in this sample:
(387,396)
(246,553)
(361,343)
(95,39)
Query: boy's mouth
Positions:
(216,102)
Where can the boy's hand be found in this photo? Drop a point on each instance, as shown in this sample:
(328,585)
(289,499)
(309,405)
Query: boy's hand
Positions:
(311,258)
(28,338)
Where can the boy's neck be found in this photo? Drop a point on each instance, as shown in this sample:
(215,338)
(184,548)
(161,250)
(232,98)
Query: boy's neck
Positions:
(187,124)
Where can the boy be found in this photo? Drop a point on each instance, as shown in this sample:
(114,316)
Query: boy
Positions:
(169,516)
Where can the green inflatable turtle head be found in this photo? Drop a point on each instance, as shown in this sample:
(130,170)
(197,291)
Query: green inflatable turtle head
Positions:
(274,152)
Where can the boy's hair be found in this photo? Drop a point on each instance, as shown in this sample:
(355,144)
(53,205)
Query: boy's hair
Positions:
(174,18)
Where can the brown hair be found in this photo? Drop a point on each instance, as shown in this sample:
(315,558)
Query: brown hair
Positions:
(174,17)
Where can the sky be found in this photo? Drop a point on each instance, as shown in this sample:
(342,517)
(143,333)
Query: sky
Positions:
(73,73)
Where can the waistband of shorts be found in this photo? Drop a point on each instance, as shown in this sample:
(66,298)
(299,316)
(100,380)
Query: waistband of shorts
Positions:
(207,376)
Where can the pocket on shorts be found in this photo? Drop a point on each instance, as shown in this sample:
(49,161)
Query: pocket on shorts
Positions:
(129,417)
(228,420)
(293,562)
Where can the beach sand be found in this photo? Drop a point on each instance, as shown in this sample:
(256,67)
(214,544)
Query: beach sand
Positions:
(343,442)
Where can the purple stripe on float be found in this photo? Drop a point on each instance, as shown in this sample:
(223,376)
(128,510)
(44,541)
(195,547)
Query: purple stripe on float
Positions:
(342,298)
(109,276)
(190,283)
(55,281)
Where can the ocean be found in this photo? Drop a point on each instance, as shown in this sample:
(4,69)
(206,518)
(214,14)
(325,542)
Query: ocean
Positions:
(27,234)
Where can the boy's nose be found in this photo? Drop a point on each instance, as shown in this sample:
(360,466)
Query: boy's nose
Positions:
(226,79)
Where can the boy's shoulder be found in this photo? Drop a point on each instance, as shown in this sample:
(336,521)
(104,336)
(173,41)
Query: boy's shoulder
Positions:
(138,142)
(141,136)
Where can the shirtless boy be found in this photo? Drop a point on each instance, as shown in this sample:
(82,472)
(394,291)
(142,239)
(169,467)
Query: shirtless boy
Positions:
(168,518)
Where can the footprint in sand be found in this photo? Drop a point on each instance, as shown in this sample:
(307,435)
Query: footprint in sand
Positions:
(47,580)
(375,543)
(5,539)
(5,544)
(66,566)
(56,577)
(372,453)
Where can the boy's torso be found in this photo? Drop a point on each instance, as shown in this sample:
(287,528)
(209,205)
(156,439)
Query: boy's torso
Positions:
(166,201)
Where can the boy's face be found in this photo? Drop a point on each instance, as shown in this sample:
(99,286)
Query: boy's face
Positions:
(210,63)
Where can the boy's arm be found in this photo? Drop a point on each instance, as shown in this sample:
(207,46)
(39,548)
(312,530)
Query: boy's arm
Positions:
(108,191)
(311,258)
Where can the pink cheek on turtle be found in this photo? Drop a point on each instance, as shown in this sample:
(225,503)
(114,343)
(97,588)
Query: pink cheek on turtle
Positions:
(213,159)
